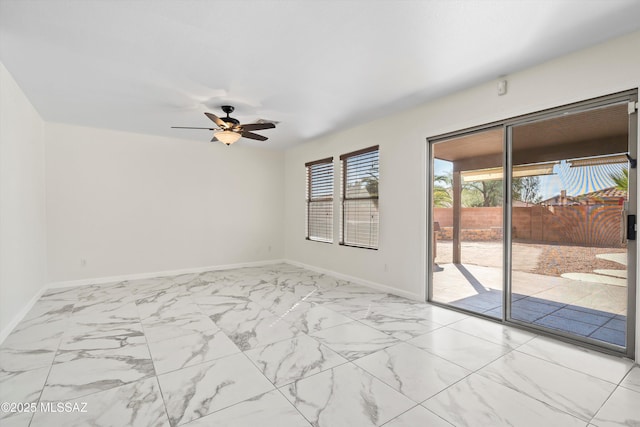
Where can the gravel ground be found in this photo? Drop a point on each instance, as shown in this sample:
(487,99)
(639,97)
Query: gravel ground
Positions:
(557,259)
(546,259)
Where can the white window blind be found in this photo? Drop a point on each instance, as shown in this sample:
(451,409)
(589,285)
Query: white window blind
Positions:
(360,220)
(320,200)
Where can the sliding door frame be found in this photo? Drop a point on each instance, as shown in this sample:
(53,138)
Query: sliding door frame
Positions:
(430,214)
(629,96)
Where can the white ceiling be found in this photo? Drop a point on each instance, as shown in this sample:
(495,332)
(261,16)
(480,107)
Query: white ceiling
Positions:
(315,66)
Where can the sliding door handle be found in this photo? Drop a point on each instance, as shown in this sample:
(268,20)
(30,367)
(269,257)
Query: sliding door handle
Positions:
(631,227)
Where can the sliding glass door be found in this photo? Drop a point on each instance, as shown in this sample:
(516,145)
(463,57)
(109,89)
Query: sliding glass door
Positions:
(467,211)
(569,246)
(529,221)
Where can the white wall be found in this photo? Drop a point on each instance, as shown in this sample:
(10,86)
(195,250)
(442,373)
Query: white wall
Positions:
(611,67)
(22,201)
(129,203)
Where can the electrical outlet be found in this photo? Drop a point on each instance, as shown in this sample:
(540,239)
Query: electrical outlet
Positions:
(83,262)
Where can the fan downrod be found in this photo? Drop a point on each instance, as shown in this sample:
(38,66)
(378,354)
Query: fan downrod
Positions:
(229,109)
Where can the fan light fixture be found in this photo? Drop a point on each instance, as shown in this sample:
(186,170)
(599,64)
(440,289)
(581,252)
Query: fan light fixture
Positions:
(227,137)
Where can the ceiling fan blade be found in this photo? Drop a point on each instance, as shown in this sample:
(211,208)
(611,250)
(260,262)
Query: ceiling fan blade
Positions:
(252,135)
(217,120)
(188,127)
(257,126)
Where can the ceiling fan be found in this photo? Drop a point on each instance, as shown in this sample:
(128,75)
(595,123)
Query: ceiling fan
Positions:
(230,130)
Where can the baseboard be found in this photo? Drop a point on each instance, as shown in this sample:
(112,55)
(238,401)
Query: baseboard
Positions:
(359,281)
(21,314)
(114,279)
(164,273)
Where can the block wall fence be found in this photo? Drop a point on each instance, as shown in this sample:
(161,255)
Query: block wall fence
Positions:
(587,225)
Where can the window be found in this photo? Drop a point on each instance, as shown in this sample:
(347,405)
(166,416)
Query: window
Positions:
(360,198)
(320,200)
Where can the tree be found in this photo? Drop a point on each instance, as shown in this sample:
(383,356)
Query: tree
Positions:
(621,179)
(442,191)
(474,194)
(490,193)
(485,193)
(371,185)
(526,189)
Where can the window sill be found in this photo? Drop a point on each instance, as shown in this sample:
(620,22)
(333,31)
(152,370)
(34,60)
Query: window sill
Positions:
(350,245)
(319,241)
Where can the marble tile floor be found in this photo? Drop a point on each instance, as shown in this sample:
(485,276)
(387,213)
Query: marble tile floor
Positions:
(279,345)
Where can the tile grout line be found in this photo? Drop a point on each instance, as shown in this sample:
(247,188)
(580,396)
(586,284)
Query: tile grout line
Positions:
(545,403)
(612,393)
(51,365)
(568,367)
(155,377)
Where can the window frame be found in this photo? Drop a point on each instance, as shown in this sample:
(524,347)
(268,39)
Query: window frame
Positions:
(309,199)
(344,198)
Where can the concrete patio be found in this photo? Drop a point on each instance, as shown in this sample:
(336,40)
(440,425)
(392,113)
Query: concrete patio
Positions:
(589,309)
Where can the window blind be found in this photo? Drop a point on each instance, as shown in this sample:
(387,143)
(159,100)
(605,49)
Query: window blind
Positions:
(320,200)
(360,219)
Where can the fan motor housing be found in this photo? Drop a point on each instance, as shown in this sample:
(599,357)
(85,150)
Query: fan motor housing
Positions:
(230,120)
